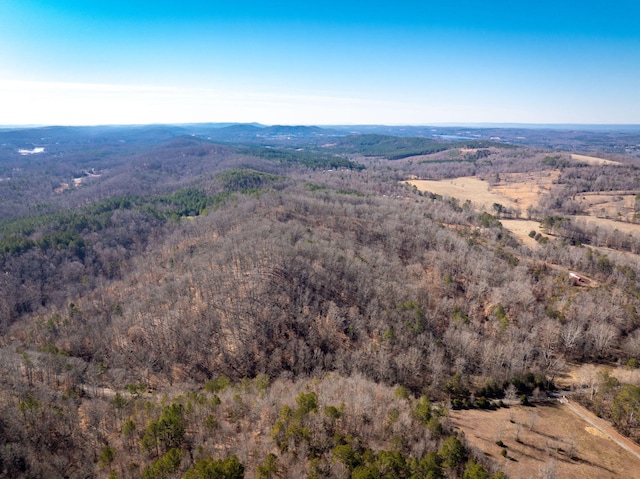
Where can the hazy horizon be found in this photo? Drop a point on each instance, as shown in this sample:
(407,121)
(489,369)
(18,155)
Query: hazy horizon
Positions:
(72,62)
(480,125)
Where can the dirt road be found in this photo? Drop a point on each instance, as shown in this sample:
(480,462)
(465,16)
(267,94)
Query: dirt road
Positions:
(602,426)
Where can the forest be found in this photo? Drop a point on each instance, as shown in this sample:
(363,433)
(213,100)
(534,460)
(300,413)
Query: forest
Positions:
(177,305)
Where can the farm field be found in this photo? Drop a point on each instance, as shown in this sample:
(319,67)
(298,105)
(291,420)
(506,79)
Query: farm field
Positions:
(514,190)
(552,442)
(520,191)
(619,206)
(450,154)
(521,229)
(465,188)
(631,228)
(593,160)
(525,189)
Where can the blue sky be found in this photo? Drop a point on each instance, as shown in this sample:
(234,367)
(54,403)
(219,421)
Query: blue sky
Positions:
(404,62)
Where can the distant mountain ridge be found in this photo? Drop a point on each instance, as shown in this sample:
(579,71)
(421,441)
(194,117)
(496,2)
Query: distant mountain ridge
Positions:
(623,139)
(251,132)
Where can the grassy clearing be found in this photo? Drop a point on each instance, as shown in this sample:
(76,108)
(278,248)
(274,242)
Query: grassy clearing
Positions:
(465,188)
(521,229)
(545,439)
(617,206)
(526,189)
(592,160)
(520,191)
(515,190)
(583,375)
(630,228)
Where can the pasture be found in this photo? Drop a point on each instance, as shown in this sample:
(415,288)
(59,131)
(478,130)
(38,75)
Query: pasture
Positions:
(593,160)
(544,441)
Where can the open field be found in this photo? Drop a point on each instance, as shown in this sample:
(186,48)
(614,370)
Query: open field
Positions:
(630,228)
(515,190)
(615,205)
(439,156)
(582,375)
(466,188)
(592,160)
(525,189)
(520,191)
(521,229)
(550,439)
(456,154)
